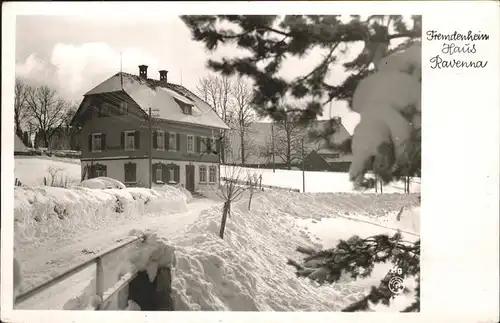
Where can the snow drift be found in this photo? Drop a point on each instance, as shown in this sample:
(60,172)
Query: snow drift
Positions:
(247,271)
(102,183)
(42,214)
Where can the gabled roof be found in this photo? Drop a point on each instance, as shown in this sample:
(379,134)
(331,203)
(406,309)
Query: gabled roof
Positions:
(161,97)
(19,146)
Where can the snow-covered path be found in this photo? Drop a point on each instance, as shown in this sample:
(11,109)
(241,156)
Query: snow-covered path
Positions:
(45,262)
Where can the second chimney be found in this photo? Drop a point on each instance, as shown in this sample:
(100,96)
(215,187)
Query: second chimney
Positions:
(143,71)
(163,76)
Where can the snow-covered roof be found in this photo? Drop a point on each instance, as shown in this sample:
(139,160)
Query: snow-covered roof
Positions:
(161,97)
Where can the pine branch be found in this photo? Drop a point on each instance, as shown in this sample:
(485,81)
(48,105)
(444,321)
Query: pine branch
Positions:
(358,257)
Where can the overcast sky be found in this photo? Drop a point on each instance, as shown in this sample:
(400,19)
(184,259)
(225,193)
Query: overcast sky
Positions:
(73,54)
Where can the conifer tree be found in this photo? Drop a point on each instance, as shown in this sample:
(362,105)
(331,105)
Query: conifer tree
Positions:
(269,40)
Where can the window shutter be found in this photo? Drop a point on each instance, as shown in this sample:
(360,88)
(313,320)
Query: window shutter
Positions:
(154,172)
(167,140)
(198,144)
(164,173)
(103,141)
(105,169)
(137,138)
(218,146)
(155,139)
(90,142)
(176,173)
(168,173)
(134,172)
(209,145)
(123,140)
(178,139)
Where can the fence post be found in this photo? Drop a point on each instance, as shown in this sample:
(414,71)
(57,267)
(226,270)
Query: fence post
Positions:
(99,281)
(260,181)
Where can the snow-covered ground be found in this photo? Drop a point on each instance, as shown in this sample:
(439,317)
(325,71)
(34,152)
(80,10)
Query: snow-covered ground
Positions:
(315,182)
(247,270)
(32,170)
(57,228)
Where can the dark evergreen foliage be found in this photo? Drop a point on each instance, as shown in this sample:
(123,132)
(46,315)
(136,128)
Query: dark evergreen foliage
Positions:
(269,40)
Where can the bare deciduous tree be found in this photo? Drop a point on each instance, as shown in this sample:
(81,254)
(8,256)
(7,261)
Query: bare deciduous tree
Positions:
(253,181)
(244,115)
(20,110)
(216,91)
(288,137)
(47,111)
(230,189)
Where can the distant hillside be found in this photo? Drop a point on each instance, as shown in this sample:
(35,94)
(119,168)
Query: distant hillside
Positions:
(260,135)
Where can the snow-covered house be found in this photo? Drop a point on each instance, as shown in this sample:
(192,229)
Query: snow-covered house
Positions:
(185,133)
(19,147)
(327,158)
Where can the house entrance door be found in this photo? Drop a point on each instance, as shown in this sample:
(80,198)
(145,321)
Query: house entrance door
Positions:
(190,178)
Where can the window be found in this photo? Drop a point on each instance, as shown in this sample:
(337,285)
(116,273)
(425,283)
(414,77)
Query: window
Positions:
(159,173)
(96,170)
(100,171)
(96,144)
(160,140)
(129,140)
(130,170)
(190,143)
(213,174)
(209,144)
(104,110)
(187,109)
(203,174)
(172,141)
(123,107)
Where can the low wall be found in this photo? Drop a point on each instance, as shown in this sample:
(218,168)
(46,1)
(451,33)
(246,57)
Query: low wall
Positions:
(135,275)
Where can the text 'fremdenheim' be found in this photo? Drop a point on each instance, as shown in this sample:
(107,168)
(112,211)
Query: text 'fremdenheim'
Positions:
(456,44)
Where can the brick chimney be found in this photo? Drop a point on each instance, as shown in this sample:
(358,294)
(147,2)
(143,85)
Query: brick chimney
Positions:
(163,76)
(143,71)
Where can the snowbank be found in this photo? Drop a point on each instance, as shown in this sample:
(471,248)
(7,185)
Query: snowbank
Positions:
(247,271)
(181,188)
(102,183)
(42,214)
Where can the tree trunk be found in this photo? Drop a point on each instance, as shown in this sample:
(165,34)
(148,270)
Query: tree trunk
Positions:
(46,140)
(250,200)
(223,143)
(289,154)
(225,211)
(381,187)
(242,144)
